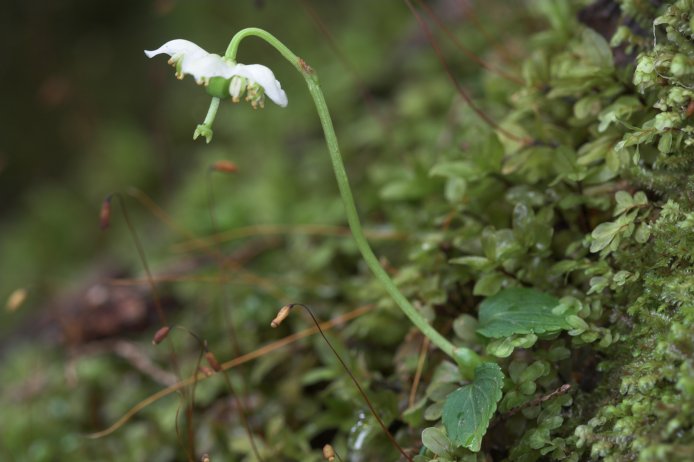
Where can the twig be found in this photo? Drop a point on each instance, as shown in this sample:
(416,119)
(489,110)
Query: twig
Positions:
(199,376)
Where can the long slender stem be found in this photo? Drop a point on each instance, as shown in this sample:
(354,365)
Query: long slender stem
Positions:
(466,358)
(354,380)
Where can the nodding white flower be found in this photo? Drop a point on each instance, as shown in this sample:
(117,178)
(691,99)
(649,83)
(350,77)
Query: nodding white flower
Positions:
(253,79)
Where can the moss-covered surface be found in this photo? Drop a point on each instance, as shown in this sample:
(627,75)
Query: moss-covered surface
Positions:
(589,201)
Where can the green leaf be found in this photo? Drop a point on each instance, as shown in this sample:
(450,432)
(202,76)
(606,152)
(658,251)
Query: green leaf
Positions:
(490,154)
(454,190)
(519,311)
(464,327)
(456,169)
(502,348)
(436,441)
(488,284)
(414,415)
(468,410)
(624,202)
(596,49)
(474,262)
(603,234)
(610,233)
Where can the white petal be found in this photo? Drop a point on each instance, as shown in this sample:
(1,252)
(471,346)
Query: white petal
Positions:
(264,77)
(202,65)
(175,47)
(205,67)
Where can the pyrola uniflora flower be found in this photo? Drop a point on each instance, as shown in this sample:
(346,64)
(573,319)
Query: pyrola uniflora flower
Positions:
(222,77)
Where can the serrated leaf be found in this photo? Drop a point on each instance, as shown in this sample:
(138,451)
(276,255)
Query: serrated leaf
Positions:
(468,410)
(519,311)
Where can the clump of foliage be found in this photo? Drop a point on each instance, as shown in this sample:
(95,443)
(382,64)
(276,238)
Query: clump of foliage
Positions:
(597,211)
(561,256)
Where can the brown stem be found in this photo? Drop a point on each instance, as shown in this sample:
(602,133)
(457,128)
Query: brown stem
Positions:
(432,14)
(173,357)
(199,376)
(342,57)
(439,54)
(420,367)
(212,361)
(354,380)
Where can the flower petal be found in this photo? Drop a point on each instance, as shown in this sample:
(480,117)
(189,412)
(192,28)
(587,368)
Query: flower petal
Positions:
(202,65)
(194,60)
(176,47)
(263,76)
(208,66)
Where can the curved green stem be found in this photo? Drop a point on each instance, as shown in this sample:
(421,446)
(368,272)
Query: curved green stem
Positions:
(466,358)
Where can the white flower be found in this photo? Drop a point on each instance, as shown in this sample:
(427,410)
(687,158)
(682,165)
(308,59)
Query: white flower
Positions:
(188,58)
(262,76)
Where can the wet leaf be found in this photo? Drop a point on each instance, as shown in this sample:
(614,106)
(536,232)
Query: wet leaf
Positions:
(468,410)
(436,441)
(519,311)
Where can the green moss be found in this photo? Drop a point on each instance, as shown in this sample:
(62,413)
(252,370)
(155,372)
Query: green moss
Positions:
(597,209)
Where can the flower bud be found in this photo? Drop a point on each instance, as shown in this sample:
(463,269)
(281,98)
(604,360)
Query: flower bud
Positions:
(212,361)
(224,166)
(281,315)
(160,335)
(328,453)
(105,213)
(16,299)
(237,87)
(206,370)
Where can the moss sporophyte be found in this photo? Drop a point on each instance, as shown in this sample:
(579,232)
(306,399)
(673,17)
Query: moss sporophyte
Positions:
(222,77)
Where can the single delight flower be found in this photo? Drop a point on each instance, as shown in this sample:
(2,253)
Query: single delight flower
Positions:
(222,77)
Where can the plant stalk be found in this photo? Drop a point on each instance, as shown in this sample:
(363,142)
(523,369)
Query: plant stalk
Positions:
(466,358)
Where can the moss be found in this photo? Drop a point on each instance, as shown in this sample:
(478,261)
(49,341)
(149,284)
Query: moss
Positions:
(597,209)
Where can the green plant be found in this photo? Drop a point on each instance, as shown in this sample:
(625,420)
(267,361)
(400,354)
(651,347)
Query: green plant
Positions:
(564,262)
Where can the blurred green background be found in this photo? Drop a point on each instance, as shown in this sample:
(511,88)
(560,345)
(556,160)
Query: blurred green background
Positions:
(86,114)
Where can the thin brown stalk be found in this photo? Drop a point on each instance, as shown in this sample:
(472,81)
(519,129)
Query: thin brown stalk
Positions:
(212,360)
(347,64)
(143,259)
(150,280)
(466,51)
(248,279)
(533,402)
(355,381)
(158,306)
(200,243)
(439,54)
(420,367)
(229,323)
(199,376)
(477,24)
(273,230)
